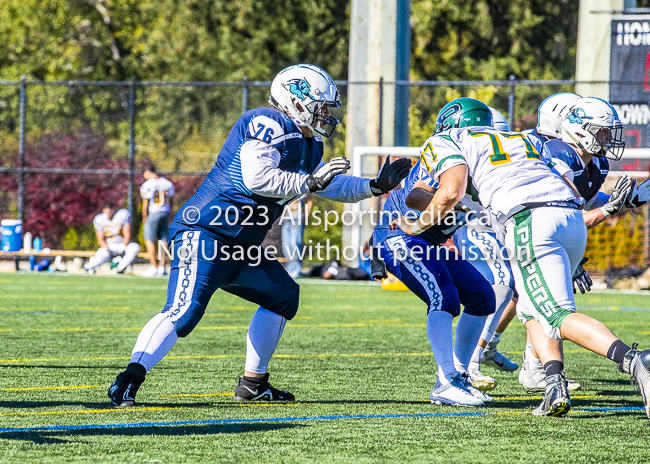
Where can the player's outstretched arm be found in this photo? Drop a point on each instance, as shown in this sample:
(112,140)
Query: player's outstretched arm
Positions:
(453,184)
(325,174)
(350,189)
(617,201)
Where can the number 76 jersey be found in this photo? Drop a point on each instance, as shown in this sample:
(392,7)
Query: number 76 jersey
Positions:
(505,169)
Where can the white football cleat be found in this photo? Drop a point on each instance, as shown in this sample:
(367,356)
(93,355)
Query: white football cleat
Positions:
(493,358)
(151,271)
(533,378)
(454,393)
(162,271)
(479,380)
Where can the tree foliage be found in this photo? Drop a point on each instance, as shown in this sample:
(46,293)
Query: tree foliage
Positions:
(491,39)
(189,40)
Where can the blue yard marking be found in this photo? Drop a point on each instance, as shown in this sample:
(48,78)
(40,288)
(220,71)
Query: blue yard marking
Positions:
(58,428)
(234,421)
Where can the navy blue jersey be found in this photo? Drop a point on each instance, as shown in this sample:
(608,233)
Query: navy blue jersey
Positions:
(223,207)
(589,178)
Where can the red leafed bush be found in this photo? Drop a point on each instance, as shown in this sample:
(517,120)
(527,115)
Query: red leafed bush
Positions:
(54,202)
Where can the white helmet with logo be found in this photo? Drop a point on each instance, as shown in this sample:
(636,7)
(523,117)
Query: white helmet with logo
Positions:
(304,91)
(548,113)
(593,125)
(499,121)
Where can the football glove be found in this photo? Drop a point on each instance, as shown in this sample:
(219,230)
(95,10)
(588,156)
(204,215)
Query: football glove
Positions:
(325,175)
(640,194)
(390,176)
(581,279)
(619,197)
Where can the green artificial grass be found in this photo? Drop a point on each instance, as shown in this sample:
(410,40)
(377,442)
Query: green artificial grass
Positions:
(352,350)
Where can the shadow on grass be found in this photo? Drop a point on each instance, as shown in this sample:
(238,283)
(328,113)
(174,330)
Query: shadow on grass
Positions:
(53,366)
(103,405)
(47,437)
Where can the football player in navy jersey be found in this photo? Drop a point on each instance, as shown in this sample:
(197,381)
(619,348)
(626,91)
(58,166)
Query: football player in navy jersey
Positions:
(548,119)
(440,277)
(272,156)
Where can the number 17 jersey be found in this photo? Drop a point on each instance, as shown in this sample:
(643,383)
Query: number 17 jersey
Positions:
(505,169)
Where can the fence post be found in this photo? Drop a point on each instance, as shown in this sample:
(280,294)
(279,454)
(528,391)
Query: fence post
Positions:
(21,150)
(244,98)
(511,103)
(381,111)
(131,143)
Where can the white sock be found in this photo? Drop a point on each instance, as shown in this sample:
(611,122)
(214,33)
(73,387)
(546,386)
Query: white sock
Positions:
(468,332)
(440,336)
(532,360)
(477,355)
(263,336)
(154,342)
(503,295)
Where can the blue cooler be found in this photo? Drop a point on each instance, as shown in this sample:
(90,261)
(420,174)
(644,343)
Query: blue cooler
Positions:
(11,231)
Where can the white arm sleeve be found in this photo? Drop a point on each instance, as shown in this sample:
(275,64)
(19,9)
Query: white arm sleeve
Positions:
(600,199)
(260,173)
(346,189)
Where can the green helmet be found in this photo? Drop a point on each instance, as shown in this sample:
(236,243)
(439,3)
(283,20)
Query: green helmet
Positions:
(463,112)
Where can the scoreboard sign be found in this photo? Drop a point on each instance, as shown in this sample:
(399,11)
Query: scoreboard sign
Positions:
(629,77)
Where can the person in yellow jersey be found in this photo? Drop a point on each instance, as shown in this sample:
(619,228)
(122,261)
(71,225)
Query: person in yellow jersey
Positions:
(157,199)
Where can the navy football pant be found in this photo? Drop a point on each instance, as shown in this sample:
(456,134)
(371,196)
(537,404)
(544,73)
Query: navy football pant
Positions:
(443,280)
(200,266)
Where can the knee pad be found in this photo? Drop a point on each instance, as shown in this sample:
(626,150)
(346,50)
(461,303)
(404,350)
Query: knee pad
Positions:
(132,248)
(102,255)
(188,321)
(483,303)
(450,304)
(288,306)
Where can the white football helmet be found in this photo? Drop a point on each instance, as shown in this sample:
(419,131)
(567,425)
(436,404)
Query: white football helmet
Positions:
(548,113)
(304,92)
(593,125)
(499,121)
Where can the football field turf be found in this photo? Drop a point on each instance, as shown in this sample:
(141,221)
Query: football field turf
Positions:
(356,357)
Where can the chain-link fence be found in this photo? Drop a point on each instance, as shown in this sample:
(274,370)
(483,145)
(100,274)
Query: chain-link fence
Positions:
(66,148)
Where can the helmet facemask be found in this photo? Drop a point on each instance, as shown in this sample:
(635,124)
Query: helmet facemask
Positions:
(321,121)
(608,140)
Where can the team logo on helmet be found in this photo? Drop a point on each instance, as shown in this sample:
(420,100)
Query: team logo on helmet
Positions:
(453,109)
(577,115)
(299,87)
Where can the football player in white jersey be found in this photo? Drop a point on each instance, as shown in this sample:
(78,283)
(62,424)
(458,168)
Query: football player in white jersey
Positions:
(578,156)
(113,230)
(540,218)
(157,199)
(488,259)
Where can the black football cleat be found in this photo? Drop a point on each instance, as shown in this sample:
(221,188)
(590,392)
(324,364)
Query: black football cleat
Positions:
(259,389)
(556,400)
(123,390)
(637,364)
